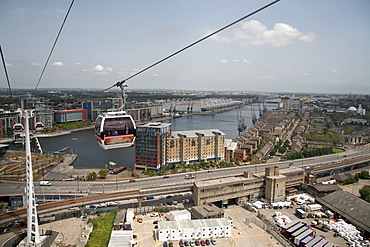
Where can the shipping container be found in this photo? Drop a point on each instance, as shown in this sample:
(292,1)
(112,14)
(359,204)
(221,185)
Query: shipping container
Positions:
(293,229)
(302,236)
(305,241)
(314,241)
(298,232)
(289,225)
(322,243)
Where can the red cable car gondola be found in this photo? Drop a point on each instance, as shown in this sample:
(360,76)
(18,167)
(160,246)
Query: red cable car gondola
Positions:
(115,130)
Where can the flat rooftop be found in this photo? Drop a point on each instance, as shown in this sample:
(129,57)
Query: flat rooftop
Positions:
(218,181)
(193,133)
(202,223)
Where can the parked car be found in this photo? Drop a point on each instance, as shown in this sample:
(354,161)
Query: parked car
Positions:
(208,242)
(191,243)
(202,242)
(84,217)
(213,241)
(181,243)
(166,176)
(154,215)
(197,242)
(132,180)
(155,222)
(186,243)
(170,244)
(165,244)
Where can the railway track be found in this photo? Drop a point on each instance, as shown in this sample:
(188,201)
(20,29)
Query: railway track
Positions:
(17,214)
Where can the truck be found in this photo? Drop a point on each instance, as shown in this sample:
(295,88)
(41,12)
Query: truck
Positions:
(300,213)
(189,176)
(45,183)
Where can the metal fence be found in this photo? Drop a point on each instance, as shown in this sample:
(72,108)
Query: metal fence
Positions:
(270,227)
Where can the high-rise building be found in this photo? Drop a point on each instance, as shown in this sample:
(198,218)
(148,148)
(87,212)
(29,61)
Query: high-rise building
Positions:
(156,146)
(150,145)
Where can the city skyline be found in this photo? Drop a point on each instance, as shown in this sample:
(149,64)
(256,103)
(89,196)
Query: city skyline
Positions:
(292,46)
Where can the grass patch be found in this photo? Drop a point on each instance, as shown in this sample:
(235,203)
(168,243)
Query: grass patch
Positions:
(337,150)
(102,229)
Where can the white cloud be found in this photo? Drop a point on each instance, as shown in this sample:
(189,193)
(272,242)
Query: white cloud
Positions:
(241,61)
(223,61)
(35,64)
(123,73)
(58,64)
(100,70)
(255,33)
(77,63)
(266,77)
(154,75)
(334,70)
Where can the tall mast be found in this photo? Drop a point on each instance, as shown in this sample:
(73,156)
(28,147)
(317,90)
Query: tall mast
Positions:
(33,234)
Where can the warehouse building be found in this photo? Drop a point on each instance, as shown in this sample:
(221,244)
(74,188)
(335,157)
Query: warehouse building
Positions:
(349,207)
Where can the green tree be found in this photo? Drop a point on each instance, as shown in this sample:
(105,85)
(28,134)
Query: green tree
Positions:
(364,175)
(365,193)
(92,176)
(103,173)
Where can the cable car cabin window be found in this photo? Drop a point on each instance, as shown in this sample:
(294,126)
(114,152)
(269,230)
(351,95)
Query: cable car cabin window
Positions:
(118,126)
(97,125)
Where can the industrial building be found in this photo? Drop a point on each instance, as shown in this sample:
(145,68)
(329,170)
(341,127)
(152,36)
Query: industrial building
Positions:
(70,116)
(193,229)
(207,211)
(272,185)
(349,207)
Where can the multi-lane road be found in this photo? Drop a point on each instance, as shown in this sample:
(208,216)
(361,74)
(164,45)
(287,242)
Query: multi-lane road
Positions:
(70,187)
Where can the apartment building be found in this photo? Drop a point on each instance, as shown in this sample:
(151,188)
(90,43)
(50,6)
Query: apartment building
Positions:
(157,146)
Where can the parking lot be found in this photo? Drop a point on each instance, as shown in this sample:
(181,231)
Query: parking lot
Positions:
(290,212)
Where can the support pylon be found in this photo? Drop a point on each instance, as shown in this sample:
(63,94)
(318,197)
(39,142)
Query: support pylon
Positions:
(33,234)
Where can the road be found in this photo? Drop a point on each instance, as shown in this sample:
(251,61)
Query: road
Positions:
(85,187)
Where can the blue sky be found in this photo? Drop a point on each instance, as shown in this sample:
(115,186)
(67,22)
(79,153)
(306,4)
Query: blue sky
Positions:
(293,46)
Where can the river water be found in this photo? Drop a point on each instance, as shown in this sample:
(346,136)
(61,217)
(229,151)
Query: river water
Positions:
(90,155)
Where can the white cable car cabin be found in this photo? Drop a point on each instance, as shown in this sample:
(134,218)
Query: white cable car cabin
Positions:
(18,127)
(115,130)
(39,126)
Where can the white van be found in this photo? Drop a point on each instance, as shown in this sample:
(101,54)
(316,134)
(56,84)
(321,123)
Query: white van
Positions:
(45,183)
